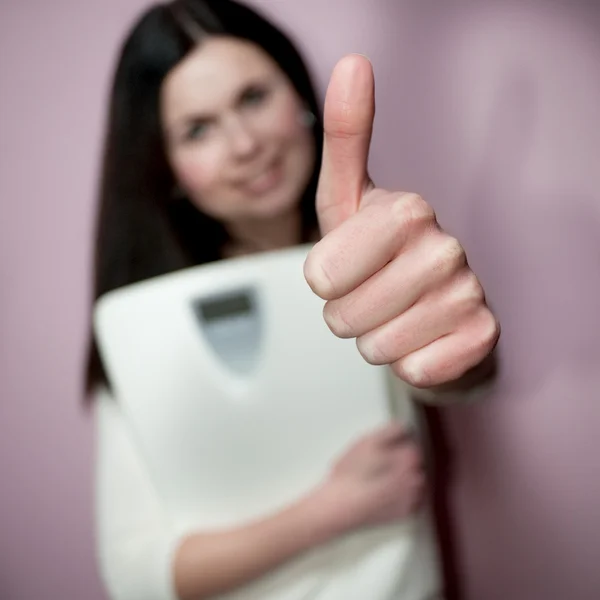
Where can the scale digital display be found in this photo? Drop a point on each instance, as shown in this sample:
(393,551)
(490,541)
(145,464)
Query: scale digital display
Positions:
(214,309)
(231,325)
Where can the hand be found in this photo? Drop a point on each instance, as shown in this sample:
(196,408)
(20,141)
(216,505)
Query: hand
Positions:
(378,480)
(392,278)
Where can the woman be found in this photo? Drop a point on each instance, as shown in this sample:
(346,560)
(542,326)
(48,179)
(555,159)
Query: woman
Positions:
(213,150)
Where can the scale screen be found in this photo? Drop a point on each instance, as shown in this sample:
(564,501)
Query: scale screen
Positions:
(231,324)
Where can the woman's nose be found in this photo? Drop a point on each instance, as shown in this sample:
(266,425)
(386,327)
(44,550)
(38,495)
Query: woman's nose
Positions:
(243,142)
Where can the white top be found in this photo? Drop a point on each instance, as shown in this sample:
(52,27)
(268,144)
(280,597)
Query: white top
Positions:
(137,537)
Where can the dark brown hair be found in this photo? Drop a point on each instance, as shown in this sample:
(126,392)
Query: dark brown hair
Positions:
(141,231)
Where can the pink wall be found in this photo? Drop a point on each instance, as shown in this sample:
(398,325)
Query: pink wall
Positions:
(490,110)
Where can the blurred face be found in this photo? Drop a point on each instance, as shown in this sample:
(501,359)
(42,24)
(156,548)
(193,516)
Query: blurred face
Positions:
(235,136)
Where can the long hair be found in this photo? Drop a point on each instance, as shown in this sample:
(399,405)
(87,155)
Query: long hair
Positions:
(141,230)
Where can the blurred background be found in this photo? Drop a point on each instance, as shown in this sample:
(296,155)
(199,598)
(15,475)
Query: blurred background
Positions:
(489,109)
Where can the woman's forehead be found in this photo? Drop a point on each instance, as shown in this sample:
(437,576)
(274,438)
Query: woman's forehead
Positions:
(214,72)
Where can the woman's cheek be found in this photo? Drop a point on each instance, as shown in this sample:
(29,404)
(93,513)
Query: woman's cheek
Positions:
(284,118)
(291,122)
(196,174)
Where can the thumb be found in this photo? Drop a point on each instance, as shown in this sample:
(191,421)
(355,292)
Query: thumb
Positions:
(348,125)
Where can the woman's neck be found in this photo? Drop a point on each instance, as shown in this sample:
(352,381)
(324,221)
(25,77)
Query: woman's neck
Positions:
(263,235)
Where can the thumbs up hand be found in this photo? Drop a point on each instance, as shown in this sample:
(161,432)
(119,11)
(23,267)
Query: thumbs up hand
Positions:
(391,277)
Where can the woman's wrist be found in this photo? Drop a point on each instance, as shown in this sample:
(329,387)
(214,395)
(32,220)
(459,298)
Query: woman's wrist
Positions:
(328,517)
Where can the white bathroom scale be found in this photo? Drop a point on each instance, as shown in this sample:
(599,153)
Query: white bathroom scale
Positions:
(240,398)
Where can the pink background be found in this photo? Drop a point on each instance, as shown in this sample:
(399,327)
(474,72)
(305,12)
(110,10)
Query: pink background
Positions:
(491,111)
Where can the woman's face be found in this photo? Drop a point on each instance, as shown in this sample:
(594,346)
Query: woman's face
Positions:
(235,136)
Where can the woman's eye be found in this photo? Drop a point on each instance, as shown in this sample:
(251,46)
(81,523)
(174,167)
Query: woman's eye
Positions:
(196,131)
(254,96)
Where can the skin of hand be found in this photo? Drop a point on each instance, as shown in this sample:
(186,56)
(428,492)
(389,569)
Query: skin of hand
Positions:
(390,275)
(378,479)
